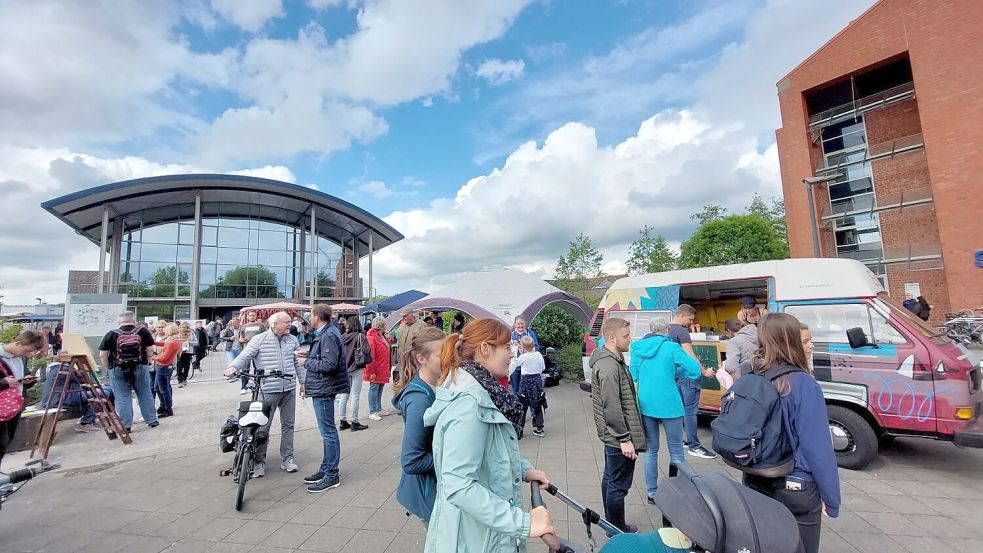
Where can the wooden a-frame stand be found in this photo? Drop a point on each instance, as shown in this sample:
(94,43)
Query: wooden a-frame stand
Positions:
(78,367)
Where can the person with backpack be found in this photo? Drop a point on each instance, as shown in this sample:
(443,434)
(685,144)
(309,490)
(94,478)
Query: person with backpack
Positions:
(656,363)
(413,394)
(358,353)
(773,426)
(924,310)
(618,421)
(125,351)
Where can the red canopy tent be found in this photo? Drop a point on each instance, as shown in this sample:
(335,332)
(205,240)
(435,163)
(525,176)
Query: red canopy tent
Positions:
(345,308)
(264,311)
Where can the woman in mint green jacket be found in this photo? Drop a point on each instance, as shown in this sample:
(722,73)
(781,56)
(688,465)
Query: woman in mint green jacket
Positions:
(480,474)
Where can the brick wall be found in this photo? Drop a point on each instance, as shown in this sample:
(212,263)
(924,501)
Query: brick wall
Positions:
(86,282)
(933,287)
(892,122)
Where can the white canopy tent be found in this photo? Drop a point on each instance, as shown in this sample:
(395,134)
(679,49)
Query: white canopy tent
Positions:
(501,294)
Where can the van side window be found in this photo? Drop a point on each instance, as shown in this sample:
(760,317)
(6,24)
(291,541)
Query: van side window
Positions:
(829,323)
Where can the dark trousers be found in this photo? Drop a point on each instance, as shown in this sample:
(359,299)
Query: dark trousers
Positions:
(804,504)
(7,430)
(200,353)
(615,484)
(514,379)
(183,367)
(162,386)
(531,392)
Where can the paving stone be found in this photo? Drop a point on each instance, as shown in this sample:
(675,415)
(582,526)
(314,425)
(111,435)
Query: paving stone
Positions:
(328,539)
(217,528)
(290,535)
(369,541)
(189,545)
(352,517)
(893,524)
(316,514)
(254,532)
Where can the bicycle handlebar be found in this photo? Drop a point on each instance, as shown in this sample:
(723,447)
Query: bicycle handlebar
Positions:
(22,475)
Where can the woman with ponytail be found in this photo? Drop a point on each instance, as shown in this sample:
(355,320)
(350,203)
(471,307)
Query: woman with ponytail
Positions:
(475,420)
(413,394)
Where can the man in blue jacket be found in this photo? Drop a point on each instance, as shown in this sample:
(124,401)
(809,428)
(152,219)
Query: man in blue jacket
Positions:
(656,362)
(327,376)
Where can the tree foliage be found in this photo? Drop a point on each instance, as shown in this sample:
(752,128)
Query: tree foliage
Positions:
(582,262)
(245,282)
(774,213)
(557,328)
(650,254)
(712,212)
(732,239)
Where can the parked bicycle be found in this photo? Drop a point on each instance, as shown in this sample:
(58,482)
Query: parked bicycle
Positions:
(9,482)
(253,415)
(964,329)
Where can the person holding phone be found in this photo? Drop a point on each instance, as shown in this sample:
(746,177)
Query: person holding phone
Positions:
(13,374)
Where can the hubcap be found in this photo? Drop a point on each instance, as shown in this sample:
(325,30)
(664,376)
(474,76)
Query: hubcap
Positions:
(842,440)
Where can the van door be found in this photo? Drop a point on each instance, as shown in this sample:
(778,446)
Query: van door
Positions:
(893,377)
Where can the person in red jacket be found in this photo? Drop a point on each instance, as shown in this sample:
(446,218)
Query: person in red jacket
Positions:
(377,373)
(165,362)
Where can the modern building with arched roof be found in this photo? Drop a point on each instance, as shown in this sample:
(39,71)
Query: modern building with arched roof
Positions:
(185,246)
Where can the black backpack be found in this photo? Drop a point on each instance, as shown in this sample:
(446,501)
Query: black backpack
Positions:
(749,434)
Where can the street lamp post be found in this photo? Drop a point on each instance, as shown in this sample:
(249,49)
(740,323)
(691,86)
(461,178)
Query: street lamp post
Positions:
(810,182)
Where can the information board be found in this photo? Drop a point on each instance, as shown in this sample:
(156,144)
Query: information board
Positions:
(93,314)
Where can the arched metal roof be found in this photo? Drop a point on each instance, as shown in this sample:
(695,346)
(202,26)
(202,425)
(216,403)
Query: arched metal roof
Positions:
(167,198)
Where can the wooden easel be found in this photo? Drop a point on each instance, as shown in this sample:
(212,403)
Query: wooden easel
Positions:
(78,367)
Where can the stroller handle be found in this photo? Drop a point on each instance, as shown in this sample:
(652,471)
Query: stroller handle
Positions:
(536,500)
(536,496)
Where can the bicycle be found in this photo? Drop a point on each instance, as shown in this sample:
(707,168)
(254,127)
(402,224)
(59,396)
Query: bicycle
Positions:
(8,482)
(253,415)
(964,330)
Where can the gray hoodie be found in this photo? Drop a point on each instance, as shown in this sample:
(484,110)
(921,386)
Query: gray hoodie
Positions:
(740,349)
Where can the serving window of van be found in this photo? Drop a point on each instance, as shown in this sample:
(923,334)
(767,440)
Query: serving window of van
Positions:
(829,323)
(639,320)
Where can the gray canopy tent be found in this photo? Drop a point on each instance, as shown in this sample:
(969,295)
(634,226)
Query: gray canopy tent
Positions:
(501,294)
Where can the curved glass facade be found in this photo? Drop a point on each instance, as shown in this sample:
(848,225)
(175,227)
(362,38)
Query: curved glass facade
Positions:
(240,258)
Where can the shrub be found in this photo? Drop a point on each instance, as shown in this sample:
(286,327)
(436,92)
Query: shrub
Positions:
(570,361)
(8,334)
(556,328)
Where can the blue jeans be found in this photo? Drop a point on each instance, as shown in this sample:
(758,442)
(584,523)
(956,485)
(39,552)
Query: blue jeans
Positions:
(375,398)
(615,484)
(674,439)
(163,384)
(232,354)
(355,377)
(515,379)
(689,390)
(324,411)
(124,391)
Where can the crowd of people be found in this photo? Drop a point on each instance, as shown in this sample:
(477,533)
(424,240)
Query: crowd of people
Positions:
(464,398)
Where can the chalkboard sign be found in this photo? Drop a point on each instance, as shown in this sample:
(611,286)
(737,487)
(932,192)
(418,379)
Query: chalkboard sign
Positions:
(708,356)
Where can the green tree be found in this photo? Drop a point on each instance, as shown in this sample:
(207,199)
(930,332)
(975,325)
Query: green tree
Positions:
(712,212)
(557,328)
(732,239)
(650,254)
(774,213)
(244,282)
(582,262)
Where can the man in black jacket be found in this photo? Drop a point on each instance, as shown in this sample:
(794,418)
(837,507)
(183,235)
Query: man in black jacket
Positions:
(327,376)
(201,350)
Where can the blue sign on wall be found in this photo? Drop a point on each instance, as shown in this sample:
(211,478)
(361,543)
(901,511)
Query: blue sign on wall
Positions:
(979,259)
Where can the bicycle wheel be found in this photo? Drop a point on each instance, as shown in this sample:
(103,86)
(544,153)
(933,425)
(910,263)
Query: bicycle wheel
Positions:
(244,467)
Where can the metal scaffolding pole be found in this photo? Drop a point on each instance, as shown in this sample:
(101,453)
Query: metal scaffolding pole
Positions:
(314,253)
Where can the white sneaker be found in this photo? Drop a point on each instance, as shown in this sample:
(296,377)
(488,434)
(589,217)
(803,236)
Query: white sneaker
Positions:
(242,392)
(289,465)
(259,470)
(375,417)
(385,413)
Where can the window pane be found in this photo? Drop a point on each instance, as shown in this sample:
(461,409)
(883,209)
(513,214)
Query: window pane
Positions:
(206,275)
(185,254)
(226,222)
(270,258)
(829,323)
(884,331)
(160,234)
(186,234)
(233,237)
(209,235)
(209,255)
(232,256)
(272,240)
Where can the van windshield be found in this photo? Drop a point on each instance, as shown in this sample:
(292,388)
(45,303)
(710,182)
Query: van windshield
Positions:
(916,323)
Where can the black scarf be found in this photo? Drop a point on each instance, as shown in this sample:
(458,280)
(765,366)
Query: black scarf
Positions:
(506,402)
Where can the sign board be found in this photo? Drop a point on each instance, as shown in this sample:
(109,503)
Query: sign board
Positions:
(75,344)
(912,288)
(93,314)
(151,321)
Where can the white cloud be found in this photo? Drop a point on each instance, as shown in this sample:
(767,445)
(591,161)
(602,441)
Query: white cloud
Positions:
(499,72)
(375,188)
(543,52)
(521,214)
(39,248)
(251,15)
(413,181)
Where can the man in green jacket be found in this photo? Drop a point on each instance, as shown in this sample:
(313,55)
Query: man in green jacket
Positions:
(619,423)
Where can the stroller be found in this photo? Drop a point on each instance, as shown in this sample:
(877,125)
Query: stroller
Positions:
(714,511)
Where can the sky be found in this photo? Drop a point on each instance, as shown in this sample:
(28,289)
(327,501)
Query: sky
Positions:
(489,133)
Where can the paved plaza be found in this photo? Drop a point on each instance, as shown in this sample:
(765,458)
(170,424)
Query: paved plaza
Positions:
(164,492)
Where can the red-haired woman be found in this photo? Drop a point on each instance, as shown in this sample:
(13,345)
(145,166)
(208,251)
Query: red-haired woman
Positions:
(475,449)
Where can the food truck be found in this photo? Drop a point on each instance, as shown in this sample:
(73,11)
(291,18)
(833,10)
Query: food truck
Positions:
(895,376)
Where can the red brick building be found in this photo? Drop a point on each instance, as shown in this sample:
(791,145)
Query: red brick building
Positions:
(888,117)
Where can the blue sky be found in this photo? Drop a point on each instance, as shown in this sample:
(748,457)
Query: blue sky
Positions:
(510,126)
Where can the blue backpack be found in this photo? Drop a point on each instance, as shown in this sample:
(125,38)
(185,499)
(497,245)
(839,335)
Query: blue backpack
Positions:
(749,434)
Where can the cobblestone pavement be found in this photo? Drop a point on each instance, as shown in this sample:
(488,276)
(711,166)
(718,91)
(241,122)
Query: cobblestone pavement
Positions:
(164,493)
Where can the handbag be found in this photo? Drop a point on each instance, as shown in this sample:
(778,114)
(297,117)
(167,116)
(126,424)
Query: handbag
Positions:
(362,357)
(11,400)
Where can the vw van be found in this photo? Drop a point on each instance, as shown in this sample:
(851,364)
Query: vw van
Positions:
(883,371)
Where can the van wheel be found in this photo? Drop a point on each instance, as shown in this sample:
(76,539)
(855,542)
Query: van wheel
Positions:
(854,441)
